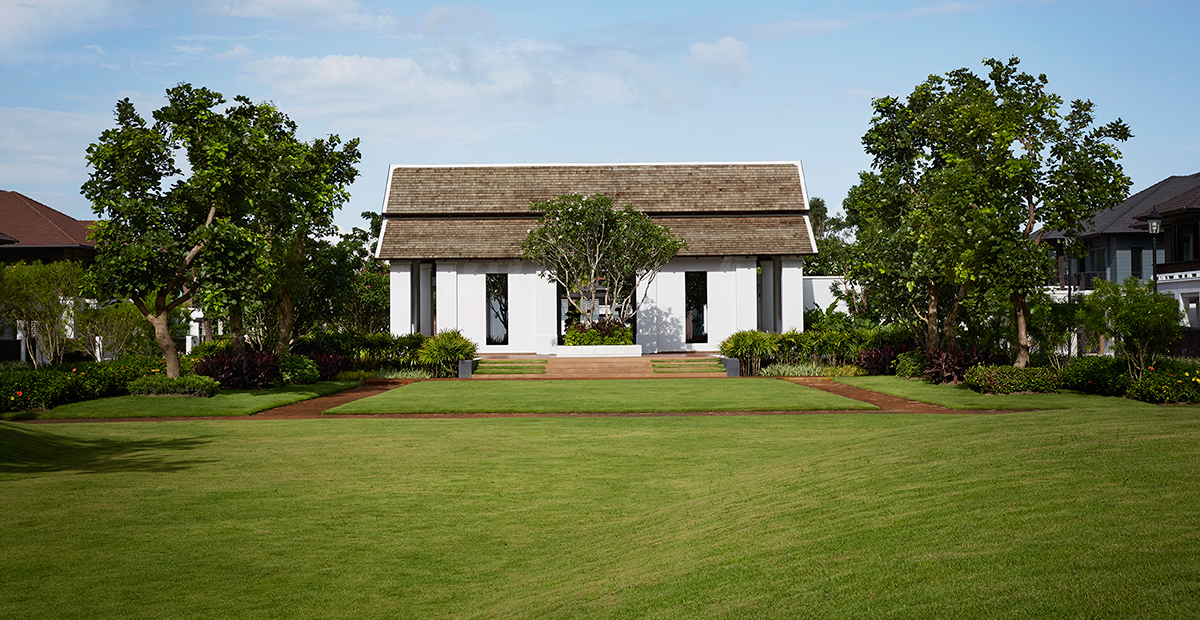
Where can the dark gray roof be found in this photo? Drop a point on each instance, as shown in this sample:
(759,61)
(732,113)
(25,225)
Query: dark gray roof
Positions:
(1122,218)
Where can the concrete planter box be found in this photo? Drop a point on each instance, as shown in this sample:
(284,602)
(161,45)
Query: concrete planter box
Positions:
(600,350)
(466,367)
(733,366)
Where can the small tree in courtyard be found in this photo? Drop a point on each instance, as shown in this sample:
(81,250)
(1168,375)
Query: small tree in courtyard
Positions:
(587,246)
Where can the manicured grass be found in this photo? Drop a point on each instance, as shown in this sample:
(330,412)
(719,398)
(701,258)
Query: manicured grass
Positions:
(631,395)
(962,397)
(225,403)
(1050,514)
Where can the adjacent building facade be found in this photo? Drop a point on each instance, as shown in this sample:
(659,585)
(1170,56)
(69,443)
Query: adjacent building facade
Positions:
(452,237)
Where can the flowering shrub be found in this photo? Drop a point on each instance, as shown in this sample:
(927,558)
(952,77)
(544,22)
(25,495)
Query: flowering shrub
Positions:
(996,379)
(328,365)
(1163,386)
(23,388)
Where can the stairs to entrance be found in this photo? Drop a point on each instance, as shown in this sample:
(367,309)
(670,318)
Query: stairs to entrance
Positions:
(668,365)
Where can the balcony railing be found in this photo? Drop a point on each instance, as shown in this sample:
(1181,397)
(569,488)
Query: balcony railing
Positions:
(1082,280)
(1179,266)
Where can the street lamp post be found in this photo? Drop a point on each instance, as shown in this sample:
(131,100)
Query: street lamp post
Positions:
(1154,221)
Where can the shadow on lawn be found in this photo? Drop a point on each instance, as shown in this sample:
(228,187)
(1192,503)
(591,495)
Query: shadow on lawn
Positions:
(27,450)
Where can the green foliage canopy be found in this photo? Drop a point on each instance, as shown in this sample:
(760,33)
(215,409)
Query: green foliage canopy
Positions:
(594,250)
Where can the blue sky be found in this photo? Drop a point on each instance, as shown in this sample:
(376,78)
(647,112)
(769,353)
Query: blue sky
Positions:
(534,82)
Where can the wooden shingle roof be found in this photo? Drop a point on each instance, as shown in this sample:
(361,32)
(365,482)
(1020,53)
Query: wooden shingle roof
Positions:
(478,212)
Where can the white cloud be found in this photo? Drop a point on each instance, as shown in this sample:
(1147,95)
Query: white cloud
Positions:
(44,151)
(727,57)
(23,22)
(339,12)
(234,53)
(457,93)
(447,20)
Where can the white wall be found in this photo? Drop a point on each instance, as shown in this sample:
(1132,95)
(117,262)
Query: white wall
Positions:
(401,293)
(792,283)
(732,303)
(817,293)
(532,316)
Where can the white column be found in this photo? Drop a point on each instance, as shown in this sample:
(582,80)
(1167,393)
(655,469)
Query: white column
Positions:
(792,294)
(746,278)
(426,297)
(401,294)
(447,297)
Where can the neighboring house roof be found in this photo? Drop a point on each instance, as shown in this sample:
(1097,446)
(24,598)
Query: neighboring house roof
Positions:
(30,223)
(1187,201)
(1129,216)
(733,209)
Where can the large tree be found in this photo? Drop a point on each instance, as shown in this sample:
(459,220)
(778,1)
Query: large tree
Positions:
(168,232)
(589,247)
(968,171)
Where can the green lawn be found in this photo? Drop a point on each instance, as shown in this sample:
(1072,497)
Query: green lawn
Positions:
(511,367)
(636,395)
(962,397)
(1048,514)
(225,403)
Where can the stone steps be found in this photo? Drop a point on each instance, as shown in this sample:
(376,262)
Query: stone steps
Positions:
(604,367)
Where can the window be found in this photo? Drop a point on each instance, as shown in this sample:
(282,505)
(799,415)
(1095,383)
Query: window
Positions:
(497,308)
(695,293)
(1135,262)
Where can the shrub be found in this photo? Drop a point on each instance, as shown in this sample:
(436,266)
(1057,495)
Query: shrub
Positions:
(1004,379)
(253,371)
(35,389)
(440,354)
(355,375)
(1101,375)
(845,370)
(951,365)
(880,360)
(362,351)
(792,370)
(187,385)
(209,347)
(328,364)
(750,347)
(911,364)
(403,373)
(1164,385)
(602,333)
(298,370)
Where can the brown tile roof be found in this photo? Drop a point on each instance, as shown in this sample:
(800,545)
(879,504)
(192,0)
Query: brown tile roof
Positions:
(32,223)
(431,239)
(651,188)
(464,212)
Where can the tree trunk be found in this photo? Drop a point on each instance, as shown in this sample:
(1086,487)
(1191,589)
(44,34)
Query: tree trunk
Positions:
(932,339)
(208,330)
(1020,315)
(162,335)
(952,319)
(237,329)
(287,319)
